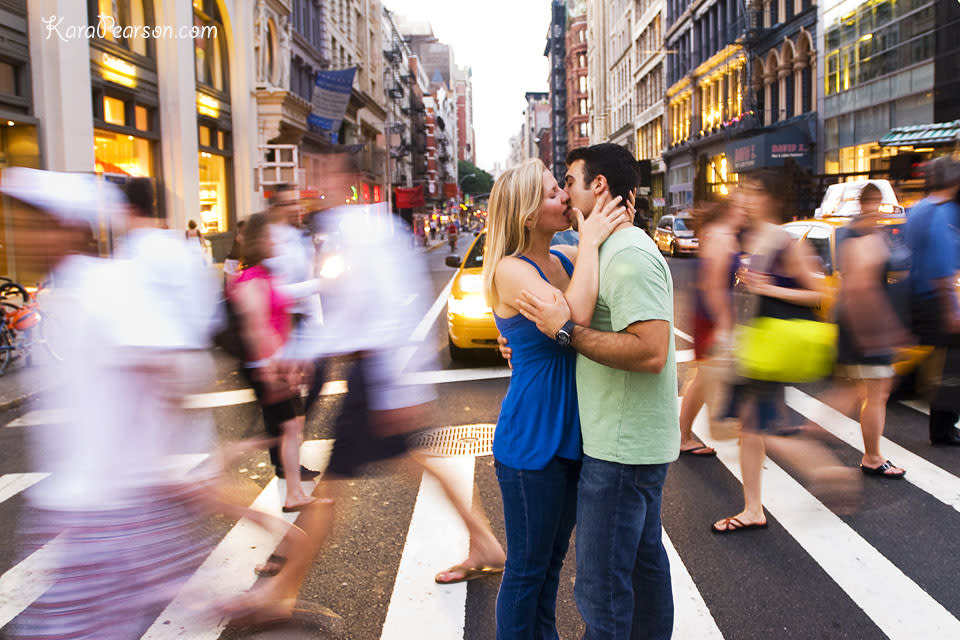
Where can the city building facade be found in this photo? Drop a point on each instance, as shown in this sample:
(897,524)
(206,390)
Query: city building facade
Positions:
(537,117)
(397,91)
(180,107)
(466,139)
(740,96)
(353,33)
(597,104)
(649,74)
(619,70)
(557,80)
(888,71)
(578,78)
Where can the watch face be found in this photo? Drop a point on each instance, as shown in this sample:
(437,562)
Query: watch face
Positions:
(563,338)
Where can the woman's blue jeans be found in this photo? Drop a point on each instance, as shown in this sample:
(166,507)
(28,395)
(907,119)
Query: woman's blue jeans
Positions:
(539,510)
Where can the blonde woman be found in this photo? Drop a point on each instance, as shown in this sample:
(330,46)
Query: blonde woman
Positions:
(537,444)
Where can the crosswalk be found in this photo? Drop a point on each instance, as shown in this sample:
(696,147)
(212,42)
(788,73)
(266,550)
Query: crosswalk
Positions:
(886,590)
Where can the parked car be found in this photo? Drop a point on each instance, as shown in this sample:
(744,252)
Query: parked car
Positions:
(674,236)
(470,324)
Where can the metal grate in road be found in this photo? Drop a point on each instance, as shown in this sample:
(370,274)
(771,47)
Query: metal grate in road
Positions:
(462,440)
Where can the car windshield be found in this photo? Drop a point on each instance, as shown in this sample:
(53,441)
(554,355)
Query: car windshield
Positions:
(475,258)
(679,225)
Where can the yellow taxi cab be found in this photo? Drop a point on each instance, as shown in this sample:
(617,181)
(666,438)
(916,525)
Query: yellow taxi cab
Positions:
(470,324)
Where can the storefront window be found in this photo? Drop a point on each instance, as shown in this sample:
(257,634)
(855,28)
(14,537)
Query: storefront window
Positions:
(213,192)
(718,180)
(122,154)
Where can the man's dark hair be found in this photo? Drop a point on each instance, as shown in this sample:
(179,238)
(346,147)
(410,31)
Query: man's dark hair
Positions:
(139,194)
(277,189)
(870,191)
(611,161)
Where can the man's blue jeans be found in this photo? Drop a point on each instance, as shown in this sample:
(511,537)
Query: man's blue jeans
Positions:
(539,511)
(623,585)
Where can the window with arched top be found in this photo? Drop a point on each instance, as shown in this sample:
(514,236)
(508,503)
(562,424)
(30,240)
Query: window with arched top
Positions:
(272,55)
(210,50)
(786,82)
(123,22)
(771,89)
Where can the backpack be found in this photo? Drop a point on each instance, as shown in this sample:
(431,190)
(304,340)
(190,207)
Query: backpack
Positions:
(229,336)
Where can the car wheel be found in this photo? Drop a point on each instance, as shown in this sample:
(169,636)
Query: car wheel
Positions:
(456,353)
(673,249)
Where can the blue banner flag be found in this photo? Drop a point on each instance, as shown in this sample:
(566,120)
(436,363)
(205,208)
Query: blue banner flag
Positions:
(331,94)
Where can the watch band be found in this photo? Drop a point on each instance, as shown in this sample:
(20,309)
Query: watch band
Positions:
(565,334)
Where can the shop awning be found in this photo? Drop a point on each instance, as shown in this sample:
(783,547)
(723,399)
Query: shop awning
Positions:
(922,134)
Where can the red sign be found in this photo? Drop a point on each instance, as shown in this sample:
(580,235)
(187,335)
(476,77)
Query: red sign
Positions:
(409,198)
(450,190)
(366,192)
(376,193)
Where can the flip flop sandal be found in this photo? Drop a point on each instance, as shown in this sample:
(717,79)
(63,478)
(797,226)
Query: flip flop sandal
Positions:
(703,451)
(267,571)
(738,526)
(469,573)
(882,471)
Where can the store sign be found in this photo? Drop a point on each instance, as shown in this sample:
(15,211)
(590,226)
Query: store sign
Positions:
(331,95)
(769,150)
(118,71)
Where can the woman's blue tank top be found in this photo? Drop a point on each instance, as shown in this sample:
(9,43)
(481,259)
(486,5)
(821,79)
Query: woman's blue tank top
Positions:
(539,417)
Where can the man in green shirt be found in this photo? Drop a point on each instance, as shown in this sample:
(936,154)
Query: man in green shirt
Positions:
(627,390)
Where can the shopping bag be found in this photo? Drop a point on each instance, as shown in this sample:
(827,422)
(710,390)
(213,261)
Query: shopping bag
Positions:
(786,350)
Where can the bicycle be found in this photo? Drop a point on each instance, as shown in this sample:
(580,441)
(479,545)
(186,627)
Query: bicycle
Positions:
(23,326)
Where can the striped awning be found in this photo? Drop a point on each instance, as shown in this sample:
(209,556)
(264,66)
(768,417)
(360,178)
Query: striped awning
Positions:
(923,134)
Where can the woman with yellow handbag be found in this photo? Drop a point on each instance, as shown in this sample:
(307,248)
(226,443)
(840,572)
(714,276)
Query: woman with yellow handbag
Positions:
(778,341)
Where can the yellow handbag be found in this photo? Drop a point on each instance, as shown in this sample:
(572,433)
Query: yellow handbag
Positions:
(786,350)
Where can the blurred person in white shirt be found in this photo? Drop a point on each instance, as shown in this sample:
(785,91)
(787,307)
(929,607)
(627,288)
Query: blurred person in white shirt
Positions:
(373,301)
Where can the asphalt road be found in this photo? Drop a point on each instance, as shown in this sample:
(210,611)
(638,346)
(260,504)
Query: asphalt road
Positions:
(887,570)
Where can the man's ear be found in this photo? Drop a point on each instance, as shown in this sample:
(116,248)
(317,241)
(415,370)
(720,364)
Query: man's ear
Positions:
(600,185)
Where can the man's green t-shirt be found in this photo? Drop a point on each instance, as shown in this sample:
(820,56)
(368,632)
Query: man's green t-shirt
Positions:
(627,417)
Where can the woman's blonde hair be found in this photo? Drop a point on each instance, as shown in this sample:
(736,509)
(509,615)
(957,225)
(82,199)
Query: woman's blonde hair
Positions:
(514,201)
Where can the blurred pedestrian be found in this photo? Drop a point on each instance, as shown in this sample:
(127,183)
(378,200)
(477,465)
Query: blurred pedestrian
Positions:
(627,393)
(380,415)
(122,501)
(292,265)
(233,264)
(193,231)
(934,241)
(536,444)
(781,284)
(265,319)
(868,328)
(718,227)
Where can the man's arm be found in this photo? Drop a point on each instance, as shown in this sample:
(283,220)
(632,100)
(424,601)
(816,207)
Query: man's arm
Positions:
(642,347)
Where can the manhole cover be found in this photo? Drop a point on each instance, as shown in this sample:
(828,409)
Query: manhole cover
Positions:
(463,440)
